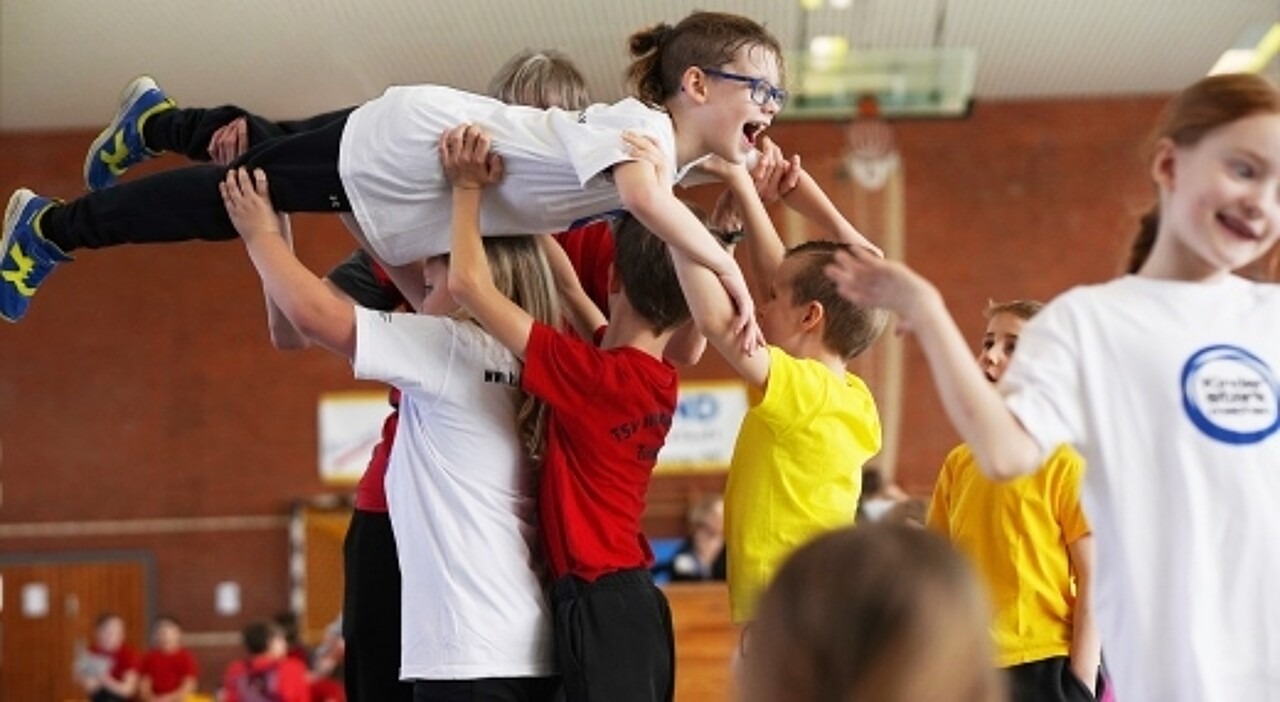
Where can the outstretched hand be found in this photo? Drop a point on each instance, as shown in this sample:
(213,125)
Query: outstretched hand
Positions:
(468,163)
(866,279)
(249,204)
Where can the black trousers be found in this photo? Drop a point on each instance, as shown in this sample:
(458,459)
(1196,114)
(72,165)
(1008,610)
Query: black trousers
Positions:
(187,130)
(487,690)
(614,639)
(371,611)
(1047,680)
(183,204)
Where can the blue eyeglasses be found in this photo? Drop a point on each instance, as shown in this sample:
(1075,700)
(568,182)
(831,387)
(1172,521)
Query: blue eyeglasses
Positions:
(762,91)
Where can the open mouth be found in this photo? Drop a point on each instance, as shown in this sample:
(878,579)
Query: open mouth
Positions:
(1237,226)
(751,131)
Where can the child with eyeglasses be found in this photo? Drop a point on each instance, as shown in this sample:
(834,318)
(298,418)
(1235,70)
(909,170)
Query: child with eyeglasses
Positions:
(378,163)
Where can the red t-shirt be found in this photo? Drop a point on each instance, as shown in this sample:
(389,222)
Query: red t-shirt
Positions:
(291,679)
(590,249)
(610,413)
(371,491)
(123,659)
(168,669)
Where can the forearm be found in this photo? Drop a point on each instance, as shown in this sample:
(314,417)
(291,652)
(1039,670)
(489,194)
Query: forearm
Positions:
(469,276)
(764,247)
(1003,448)
(811,202)
(686,345)
(583,313)
(407,278)
(713,316)
(662,213)
(310,307)
(284,335)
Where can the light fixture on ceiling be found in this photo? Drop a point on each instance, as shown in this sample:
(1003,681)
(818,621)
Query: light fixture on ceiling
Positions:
(1257,45)
(830,76)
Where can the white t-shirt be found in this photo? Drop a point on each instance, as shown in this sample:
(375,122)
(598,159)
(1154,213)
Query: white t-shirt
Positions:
(462,500)
(1171,391)
(556,165)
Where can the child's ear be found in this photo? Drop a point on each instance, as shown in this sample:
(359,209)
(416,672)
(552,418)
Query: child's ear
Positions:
(694,84)
(814,314)
(1163,163)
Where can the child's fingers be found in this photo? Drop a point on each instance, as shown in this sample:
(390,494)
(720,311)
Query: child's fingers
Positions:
(495,167)
(260,182)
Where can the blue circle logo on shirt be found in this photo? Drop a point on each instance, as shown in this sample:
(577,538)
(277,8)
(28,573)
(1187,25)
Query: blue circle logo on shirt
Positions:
(1231,395)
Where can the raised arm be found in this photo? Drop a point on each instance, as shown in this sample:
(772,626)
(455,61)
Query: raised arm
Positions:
(1002,446)
(651,201)
(583,314)
(310,306)
(470,166)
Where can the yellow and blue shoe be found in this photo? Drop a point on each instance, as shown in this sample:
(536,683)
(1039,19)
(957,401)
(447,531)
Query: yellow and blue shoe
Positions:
(26,257)
(120,145)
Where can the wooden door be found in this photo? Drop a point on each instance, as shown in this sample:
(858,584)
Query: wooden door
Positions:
(49,609)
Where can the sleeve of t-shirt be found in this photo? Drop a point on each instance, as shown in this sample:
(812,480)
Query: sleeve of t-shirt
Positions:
(413,352)
(189,665)
(593,143)
(1069,466)
(560,369)
(363,280)
(1042,384)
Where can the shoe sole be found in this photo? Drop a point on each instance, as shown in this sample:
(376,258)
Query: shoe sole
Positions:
(128,97)
(17,203)
(12,213)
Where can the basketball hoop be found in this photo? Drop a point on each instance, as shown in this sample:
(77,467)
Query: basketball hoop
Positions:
(871,155)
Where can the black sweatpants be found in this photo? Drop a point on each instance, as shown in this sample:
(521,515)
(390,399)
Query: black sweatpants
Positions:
(614,639)
(371,611)
(183,204)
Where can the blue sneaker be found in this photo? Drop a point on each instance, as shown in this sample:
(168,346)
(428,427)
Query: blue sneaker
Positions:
(25,257)
(120,144)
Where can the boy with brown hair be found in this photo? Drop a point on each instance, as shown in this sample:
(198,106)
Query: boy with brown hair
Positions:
(611,408)
(796,469)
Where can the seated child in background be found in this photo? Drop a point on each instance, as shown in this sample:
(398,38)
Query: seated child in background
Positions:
(701,555)
(878,612)
(107,669)
(267,671)
(1027,538)
(168,672)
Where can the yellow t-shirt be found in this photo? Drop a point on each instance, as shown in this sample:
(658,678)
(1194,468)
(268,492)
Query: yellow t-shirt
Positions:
(796,470)
(1016,535)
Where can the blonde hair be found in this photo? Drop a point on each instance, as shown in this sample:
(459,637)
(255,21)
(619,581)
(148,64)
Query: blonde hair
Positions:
(1022,309)
(880,612)
(521,273)
(545,78)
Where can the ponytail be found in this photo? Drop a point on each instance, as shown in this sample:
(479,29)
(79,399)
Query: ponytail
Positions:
(1142,244)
